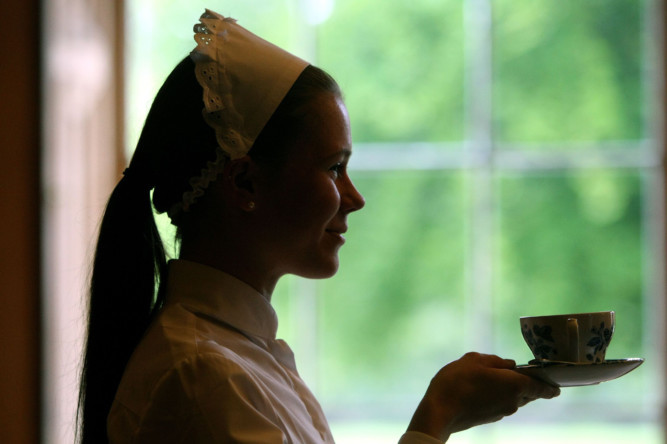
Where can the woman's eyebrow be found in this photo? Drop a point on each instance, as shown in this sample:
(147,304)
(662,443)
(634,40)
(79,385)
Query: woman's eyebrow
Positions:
(345,152)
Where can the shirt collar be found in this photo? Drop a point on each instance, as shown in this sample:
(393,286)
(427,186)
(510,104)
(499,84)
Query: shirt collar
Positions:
(221,296)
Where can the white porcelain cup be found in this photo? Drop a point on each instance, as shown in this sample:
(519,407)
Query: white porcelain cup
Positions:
(579,337)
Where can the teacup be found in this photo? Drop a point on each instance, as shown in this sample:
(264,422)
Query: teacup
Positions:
(580,338)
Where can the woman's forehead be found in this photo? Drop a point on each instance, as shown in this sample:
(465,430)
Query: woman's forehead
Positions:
(325,129)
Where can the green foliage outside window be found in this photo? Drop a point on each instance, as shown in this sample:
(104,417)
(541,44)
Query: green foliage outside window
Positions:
(568,70)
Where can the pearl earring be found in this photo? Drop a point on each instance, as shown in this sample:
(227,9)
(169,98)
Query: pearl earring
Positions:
(251,205)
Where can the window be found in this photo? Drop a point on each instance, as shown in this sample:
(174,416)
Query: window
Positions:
(507,151)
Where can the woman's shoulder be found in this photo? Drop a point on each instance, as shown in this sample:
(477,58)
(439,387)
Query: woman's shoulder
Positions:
(182,391)
(183,373)
(180,339)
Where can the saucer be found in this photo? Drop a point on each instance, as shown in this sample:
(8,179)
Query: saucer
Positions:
(569,374)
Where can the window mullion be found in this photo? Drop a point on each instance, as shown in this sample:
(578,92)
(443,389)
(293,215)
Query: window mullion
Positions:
(479,146)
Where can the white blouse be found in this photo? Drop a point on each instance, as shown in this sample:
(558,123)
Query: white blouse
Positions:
(210,370)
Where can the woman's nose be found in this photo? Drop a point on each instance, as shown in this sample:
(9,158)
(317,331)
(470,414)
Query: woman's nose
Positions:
(352,200)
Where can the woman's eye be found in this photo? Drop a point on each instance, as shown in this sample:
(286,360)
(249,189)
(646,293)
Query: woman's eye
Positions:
(337,169)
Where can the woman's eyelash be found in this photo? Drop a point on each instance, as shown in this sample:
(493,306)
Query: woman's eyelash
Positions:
(337,168)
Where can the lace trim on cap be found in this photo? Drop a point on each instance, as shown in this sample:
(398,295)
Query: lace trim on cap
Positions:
(219,111)
(210,68)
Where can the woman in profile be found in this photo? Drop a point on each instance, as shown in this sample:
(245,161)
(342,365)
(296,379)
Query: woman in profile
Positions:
(246,149)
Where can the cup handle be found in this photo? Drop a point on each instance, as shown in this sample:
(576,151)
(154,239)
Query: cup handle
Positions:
(573,339)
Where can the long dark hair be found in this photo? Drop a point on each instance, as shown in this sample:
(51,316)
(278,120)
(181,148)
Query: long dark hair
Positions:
(130,265)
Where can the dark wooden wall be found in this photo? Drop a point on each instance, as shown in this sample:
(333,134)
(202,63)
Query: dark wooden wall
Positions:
(20,222)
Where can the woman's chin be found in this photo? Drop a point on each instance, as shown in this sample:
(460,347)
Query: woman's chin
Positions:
(325,269)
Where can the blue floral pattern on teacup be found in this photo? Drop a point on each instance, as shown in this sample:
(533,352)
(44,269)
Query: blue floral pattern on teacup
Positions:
(599,342)
(540,341)
(543,346)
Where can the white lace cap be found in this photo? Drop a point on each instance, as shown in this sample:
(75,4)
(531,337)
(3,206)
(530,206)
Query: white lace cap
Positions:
(244,79)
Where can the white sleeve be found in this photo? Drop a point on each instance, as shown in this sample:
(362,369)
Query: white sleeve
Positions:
(418,438)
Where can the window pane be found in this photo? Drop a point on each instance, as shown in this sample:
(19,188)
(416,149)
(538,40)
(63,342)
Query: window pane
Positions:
(567,70)
(400,65)
(572,243)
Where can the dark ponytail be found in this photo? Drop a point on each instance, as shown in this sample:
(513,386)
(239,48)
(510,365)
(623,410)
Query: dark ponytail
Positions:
(130,261)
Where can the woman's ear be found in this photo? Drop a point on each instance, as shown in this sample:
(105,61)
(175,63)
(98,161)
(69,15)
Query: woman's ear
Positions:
(240,182)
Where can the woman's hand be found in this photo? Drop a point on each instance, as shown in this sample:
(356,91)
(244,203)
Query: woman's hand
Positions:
(476,389)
